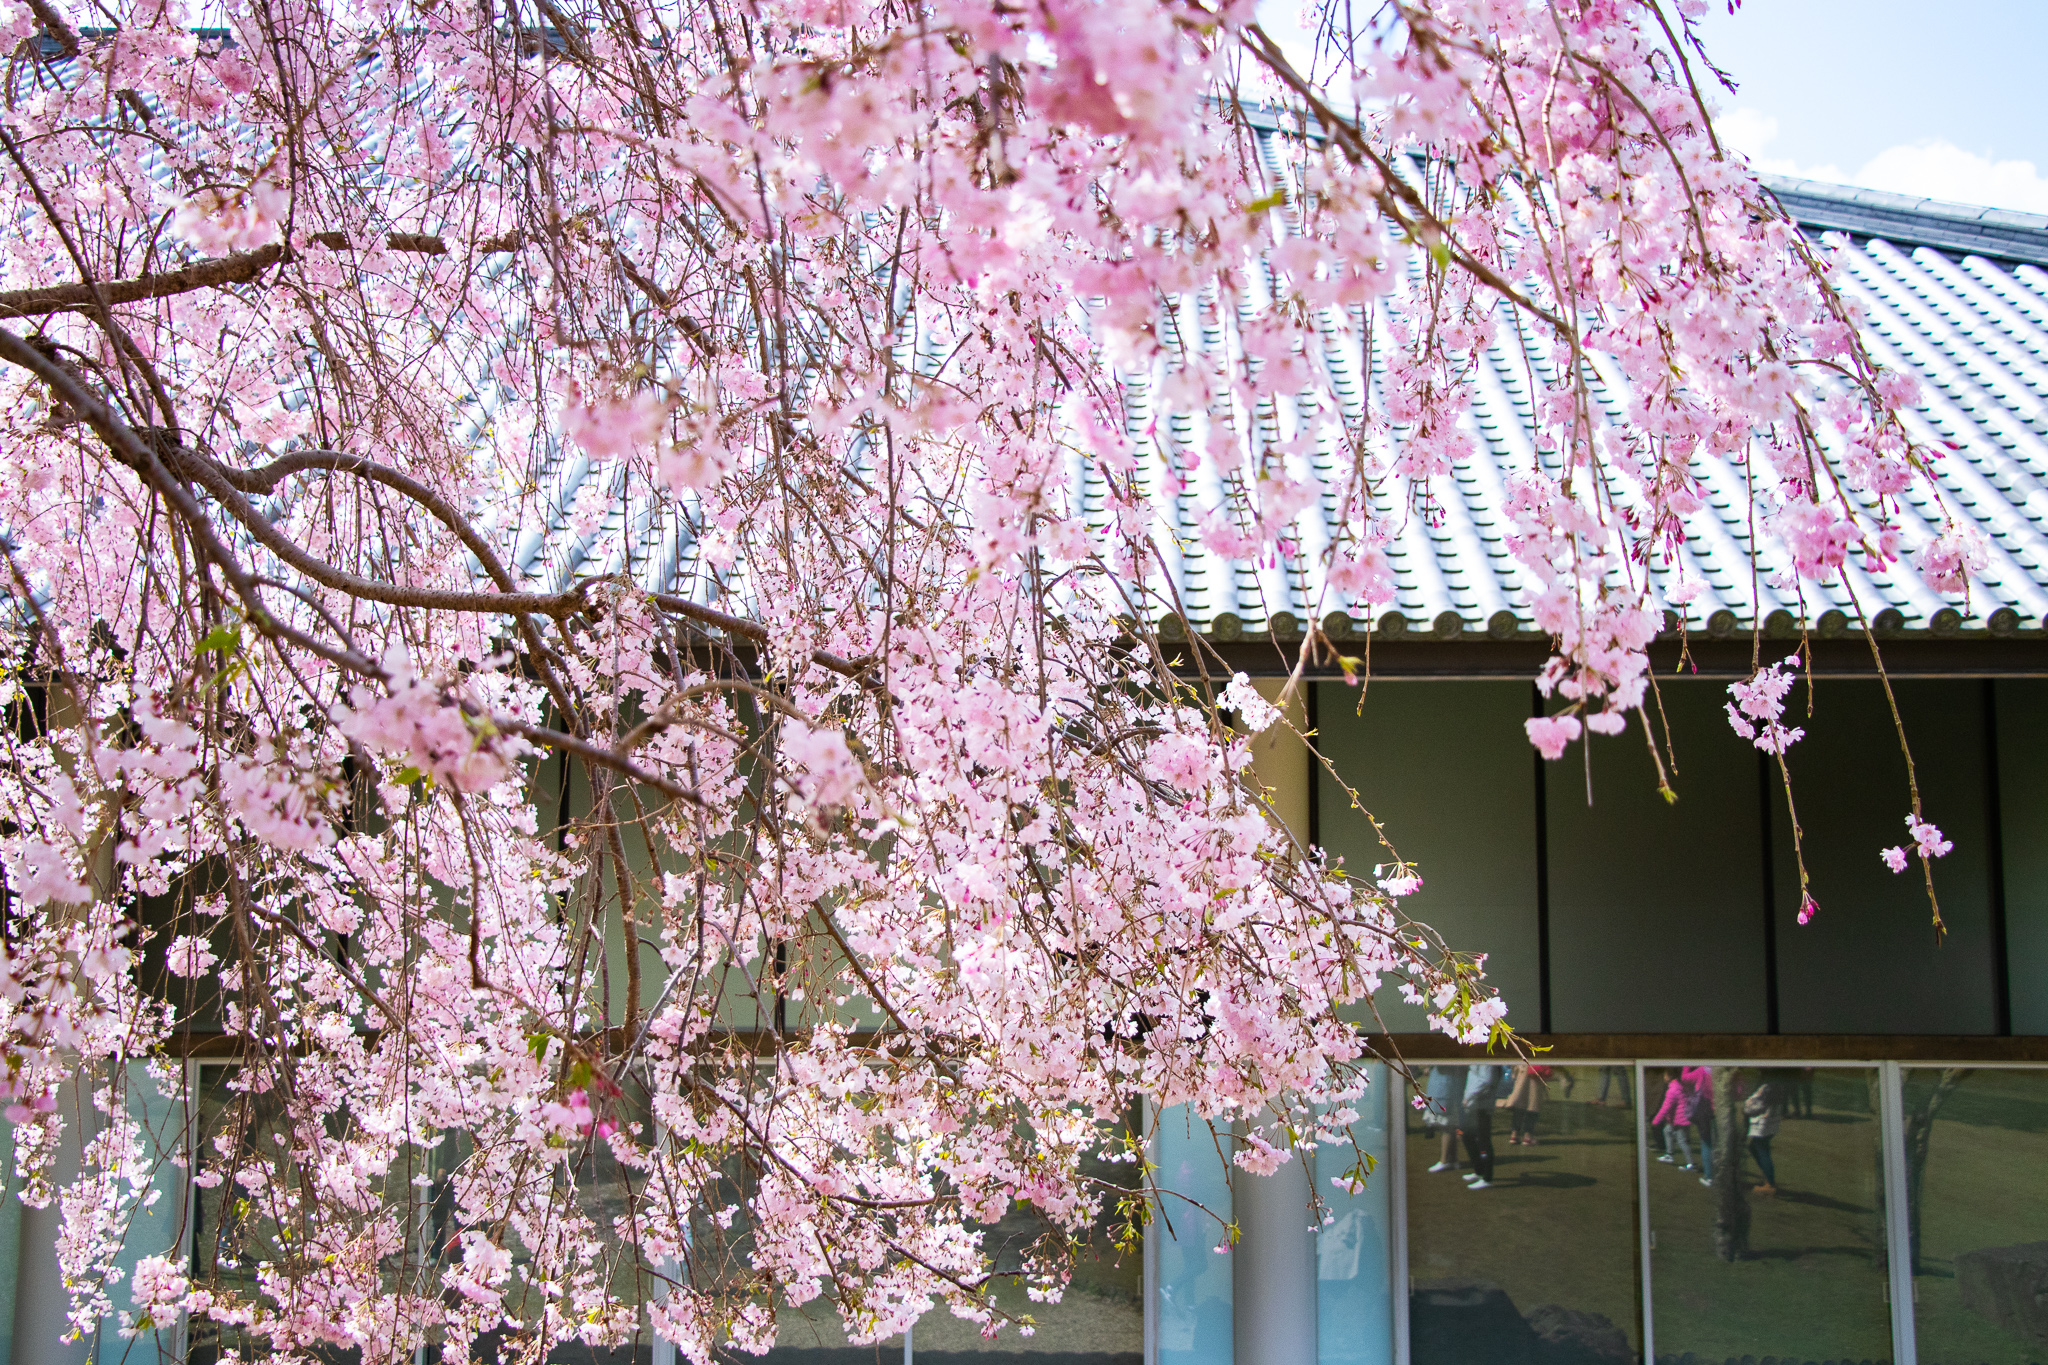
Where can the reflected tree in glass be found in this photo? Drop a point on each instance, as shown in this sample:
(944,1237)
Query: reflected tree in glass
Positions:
(1781,1251)
(1976,1145)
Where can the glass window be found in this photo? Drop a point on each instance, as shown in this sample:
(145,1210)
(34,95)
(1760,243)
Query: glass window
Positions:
(1522,1222)
(1100,1317)
(1354,1282)
(1766,1219)
(1192,1282)
(813,1335)
(1976,1143)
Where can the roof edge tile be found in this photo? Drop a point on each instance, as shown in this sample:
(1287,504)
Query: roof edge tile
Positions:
(1902,219)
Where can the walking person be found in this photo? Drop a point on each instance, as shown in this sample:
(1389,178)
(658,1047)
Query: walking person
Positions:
(1701,1079)
(1525,1102)
(1674,1121)
(1764,1110)
(1446,1093)
(1483,1089)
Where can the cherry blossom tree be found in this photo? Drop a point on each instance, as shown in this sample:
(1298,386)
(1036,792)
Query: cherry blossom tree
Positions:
(840,878)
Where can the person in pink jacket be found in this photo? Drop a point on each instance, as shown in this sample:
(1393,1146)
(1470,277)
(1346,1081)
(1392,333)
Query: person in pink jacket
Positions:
(1675,1119)
(1701,1081)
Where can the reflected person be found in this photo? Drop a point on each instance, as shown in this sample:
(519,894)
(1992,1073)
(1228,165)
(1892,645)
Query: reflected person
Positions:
(1484,1087)
(1701,1079)
(1525,1102)
(1446,1094)
(1611,1074)
(1674,1121)
(1764,1110)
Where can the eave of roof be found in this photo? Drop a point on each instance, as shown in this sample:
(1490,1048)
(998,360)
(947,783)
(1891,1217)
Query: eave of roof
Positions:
(1997,234)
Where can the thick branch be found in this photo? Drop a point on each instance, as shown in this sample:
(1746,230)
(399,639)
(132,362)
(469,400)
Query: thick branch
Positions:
(756,634)
(216,273)
(266,477)
(131,450)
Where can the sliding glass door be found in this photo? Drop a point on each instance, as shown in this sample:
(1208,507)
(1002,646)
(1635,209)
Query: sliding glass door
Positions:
(1765,1213)
(1975,1157)
(1521,1216)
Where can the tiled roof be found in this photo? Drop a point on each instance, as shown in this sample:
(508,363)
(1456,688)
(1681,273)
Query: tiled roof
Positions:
(1957,295)
(2000,234)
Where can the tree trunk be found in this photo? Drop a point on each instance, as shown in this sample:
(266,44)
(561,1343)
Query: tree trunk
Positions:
(1919,1134)
(1731,1201)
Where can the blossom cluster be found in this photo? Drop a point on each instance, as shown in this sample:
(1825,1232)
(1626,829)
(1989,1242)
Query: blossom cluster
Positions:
(590,595)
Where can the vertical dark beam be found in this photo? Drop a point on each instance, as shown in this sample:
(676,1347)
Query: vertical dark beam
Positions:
(1766,794)
(1542,875)
(2001,966)
(1312,713)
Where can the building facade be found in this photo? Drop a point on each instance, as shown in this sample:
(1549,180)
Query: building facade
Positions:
(1735,1136)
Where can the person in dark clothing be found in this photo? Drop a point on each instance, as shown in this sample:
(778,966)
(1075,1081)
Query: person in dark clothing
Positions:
(1611,1074)
(1764,1109)
(1802,1093)
(1483,1088)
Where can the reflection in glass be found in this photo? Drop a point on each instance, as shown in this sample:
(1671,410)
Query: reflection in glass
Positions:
(1354,1299)
(1781,1252)
(231,1234)
(1193,1284)
(1977,1213)
(812,1334)
(1100,1318)
(1522,1227)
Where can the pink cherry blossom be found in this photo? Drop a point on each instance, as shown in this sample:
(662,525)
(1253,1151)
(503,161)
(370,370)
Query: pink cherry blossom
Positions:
(1550,734)
(615,594)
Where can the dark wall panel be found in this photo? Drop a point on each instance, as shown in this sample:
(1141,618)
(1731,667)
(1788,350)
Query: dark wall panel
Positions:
(2022,707)
(1868,962)
(1657,909)
(1445,767)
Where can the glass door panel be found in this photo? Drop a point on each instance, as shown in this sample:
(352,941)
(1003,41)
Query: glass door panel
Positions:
(1100,1317)
(1976,1144)
(1766,1214)
(1192,1283)
(1354,1281)
(1522,1216)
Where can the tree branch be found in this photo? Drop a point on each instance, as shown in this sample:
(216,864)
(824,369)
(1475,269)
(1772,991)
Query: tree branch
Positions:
(215,273)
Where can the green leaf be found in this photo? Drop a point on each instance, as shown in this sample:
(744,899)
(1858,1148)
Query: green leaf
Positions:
(223,639)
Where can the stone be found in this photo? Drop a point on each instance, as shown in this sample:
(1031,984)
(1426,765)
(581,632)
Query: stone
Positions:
(2008,1285)
(1572,1336)
(1462,1322)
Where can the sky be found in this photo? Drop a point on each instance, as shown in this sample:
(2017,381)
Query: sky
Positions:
(1946,100)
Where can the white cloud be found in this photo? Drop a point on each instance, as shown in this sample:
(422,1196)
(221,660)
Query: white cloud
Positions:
(1747,130)
(1942,170)
(1930,168)
(1750,131)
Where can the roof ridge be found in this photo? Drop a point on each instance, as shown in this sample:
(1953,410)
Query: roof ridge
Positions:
(1905,220)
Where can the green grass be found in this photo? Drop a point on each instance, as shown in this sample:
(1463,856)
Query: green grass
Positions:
(1987,1186)
(1813,1285)
(1559,1224)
